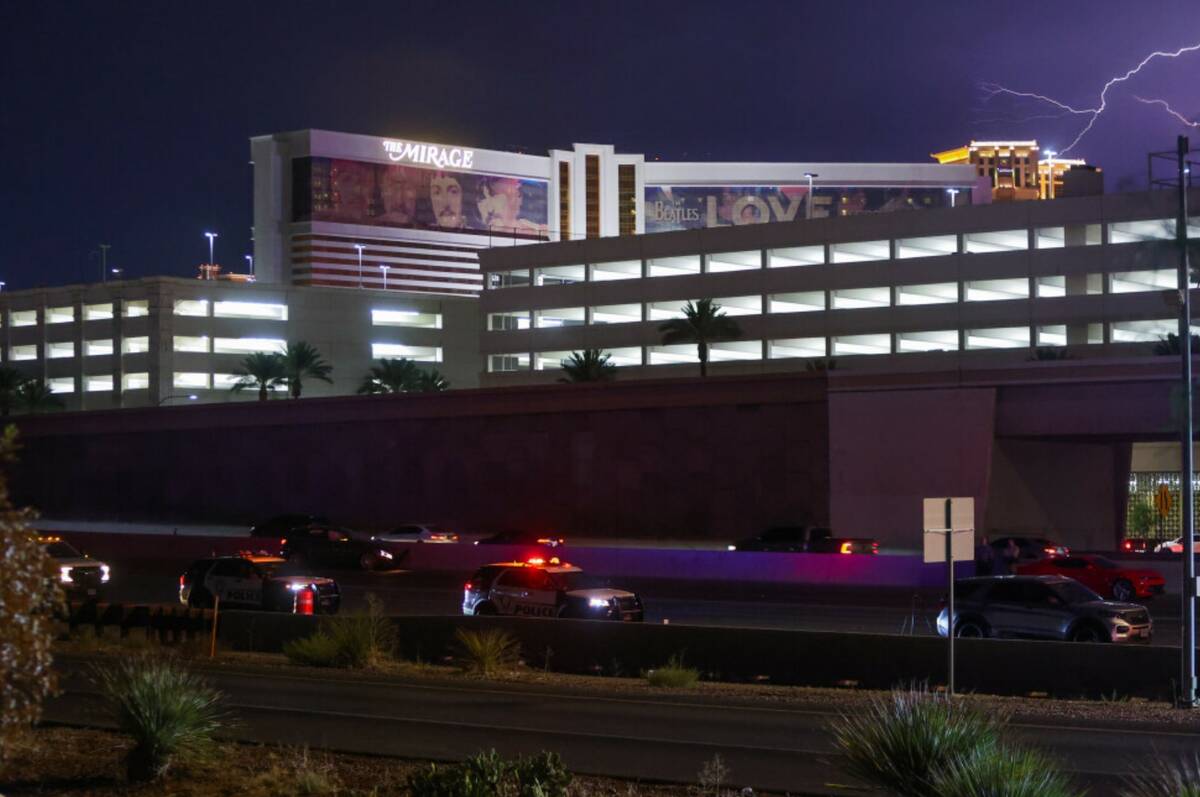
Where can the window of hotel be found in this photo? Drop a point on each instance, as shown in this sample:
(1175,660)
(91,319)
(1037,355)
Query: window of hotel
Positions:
(616,313)
(616,270)
(941,340)
(796,302)
(930,293)
(862,344)
(796,256)
(248,345)
(191,379)
(665,355)
(98,312)
(225,381)
(198,307)
(663,311)
(60,350)
(558,275)
(191,343)
(625,356)
(859,251)
(23,353)
(500,363)
(1136,281)
(137,308)
(998,338)
(509,279)
(740,305)
(997,290)
(1145,331)
(795,347)
(515,319)
(267,312)
(135,345)
(406,318)
(1004,241)
(591,191)
(734,261)
(564,200)
(1051,286)
(1057,237)
(1122,232)
(562,317)
(97,348)
(626,199)
(138,381)
(735,350)
(60,315)
(673,266)
(852,298)
(22,318)
(97,384)
(930,246)
(422,354)
(62,384)
(549,360)
(1051,335)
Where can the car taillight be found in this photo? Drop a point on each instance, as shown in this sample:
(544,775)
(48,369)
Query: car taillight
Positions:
(467,586)
(874,547)
(846,548)
(1127,546)
(181,582)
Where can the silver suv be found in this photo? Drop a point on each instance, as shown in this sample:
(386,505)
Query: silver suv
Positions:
(1042,607)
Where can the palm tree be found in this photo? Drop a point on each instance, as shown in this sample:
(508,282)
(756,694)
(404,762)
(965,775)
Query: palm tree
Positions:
(262,371)
(702,323)
(1046,353)
(10,382)
(302,360)
(589,365)
(391,376)
(820,365)
(430,382)
(34,396)
(1170,345)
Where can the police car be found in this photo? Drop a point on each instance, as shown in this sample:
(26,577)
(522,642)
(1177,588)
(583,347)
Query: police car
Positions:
(78,574)
(250,582)
(539,588)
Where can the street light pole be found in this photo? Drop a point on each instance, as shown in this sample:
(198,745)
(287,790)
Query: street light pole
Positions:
(250,262)
(384,269)
(1050,173)
(1187,679)
(210,236)
(953,192)
(808,206)
(104,261)
(359,247)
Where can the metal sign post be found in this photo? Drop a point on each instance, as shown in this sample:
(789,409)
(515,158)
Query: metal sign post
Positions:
(954,519)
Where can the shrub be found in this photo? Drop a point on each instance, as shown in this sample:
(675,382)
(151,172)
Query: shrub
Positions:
(170,713)
(356,641)
(29,594)
(673,674)
(318,650)
(897,743)
(489,775)
(295,772)
(487,651)
(1166,778)
(1002,772)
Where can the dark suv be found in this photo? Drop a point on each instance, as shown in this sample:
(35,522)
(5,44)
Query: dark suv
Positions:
(1042,607)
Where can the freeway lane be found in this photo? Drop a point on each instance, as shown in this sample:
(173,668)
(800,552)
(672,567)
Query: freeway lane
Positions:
(668,738)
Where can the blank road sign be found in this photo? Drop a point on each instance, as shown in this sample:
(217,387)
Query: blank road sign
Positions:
(962,522)
(963,549)
(962,513)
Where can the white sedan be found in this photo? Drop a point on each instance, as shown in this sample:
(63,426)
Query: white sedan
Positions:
(417,532)
(1176,545)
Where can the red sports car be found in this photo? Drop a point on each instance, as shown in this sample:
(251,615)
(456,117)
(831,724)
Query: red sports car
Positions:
(1101,575)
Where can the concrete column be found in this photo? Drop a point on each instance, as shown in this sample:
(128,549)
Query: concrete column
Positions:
(1076,284)
(118,360)
(162,344)
(79,341)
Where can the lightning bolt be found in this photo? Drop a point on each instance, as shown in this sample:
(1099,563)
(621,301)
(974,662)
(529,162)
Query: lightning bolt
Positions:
(993,89)
(1169,109)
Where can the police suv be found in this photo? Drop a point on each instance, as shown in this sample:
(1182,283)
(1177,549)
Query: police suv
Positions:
(539,588)
(79,575)
(250,582)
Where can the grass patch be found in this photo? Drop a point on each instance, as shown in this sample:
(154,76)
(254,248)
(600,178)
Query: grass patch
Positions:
(674,675)
(489,775)
(487,651)
(356,641)
(1166,778)
(1003,772)
(170,713)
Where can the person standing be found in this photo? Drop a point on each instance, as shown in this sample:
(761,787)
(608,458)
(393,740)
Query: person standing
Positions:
(985,558)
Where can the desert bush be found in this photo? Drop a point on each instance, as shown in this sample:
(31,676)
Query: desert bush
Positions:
(489,775)
(998,771)
(357,641)
(898,743)
(292,772)
(712,777)
(673,674)
(318,650)
(170,712)
(487,651)
(29,596)
(1166,778)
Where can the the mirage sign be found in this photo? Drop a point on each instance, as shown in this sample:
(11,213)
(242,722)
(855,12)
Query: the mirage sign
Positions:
(429,154)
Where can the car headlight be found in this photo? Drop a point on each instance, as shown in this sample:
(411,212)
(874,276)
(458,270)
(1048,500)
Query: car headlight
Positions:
(385,554)
(104,573)
(64,575)
(731,547)
(597,603)
(299,587)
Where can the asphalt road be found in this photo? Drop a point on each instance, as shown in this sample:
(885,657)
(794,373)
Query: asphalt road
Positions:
(813,608)
(779,749)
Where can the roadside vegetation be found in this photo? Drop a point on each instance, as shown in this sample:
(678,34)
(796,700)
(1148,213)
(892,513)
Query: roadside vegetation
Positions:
(366,640)
(489,775)
(402,375)
(673,675)
(266,372)
(487,652)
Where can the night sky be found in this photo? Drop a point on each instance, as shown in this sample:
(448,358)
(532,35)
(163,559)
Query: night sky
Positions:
(127,123)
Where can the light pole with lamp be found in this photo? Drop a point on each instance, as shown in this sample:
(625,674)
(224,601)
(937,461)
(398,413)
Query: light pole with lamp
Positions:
(1050,173)
(117,272)
(188,396)
(211,236)
(808,206)
(2,284)
(250,263)
(953,192)
(384,269)
(360,249)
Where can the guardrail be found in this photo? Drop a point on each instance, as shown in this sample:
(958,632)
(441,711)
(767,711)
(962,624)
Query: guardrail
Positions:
(169,623)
